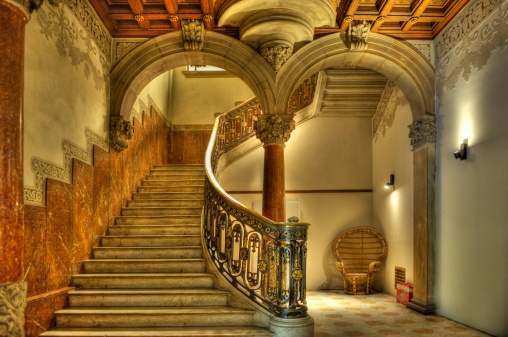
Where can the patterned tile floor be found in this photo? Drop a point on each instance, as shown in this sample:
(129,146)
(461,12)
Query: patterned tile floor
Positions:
(337,314)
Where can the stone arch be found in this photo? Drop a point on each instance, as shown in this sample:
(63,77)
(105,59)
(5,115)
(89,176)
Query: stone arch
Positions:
(152,58)
(415,77)
(396,60)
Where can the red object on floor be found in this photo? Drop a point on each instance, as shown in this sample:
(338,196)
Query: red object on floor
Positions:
(404,292)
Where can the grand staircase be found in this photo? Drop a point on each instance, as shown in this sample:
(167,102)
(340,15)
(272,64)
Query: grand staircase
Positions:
(148,277)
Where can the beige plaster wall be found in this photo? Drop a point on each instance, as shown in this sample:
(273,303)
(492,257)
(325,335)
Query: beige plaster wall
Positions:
(393,207)
(195,100)
(157,92)
(322,154)
(65,87)
(472,195)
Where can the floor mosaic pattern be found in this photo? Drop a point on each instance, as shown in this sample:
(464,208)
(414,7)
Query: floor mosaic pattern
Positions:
(337,314)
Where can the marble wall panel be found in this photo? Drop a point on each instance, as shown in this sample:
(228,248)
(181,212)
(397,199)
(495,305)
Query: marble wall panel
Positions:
(101,194)
(189,147)
(35,254)
(177,147)
(82,213)
(39,312)
(115,174)
(59,234)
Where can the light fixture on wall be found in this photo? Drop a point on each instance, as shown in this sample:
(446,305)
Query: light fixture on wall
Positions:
(391,182)
(462,152)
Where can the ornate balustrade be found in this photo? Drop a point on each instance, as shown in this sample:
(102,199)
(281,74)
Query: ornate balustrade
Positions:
(264,260)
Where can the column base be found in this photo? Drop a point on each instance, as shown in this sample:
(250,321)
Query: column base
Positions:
(292,327)
(13,300)
(422,307)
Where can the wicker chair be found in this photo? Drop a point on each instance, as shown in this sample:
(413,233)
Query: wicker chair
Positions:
(359,251)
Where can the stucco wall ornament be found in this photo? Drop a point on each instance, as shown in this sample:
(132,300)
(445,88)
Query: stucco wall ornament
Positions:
(357,35)
(274,129)
(119,132)
(276,54)
(423,131)
(12,309)
(193,33)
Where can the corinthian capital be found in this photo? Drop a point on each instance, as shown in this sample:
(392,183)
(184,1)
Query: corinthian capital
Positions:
(423,131)
(357,35)
(119,132)
(274,129)
(193,34)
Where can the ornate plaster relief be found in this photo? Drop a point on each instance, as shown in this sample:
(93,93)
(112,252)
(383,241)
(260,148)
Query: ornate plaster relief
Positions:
(467,45)
(391,99)
(74,42)
(44,169)
(123,46)
(12,310)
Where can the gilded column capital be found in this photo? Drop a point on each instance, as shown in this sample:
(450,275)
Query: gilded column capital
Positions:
(274,129)
(119,132)
(12,315)
(423,131)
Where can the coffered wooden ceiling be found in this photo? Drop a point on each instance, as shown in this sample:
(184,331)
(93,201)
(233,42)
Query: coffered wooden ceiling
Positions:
(405,19)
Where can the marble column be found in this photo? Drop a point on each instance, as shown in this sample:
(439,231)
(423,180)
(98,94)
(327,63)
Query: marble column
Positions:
(274,131)
(423,139)
(13,18)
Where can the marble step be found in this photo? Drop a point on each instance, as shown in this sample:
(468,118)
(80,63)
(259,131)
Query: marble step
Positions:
(172,183)
(183,252)
(147,297)
(182,202)
(176,176)
(150,240)
(152,317)
(158,220)
(171,193)
(179,167)
(134,211)
(142,281)
(154,230)
(222,331)
(100,266)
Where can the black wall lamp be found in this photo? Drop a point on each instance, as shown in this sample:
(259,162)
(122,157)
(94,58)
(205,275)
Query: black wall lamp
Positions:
(462,152)
(391,182)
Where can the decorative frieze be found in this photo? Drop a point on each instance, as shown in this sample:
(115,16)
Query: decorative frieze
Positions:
(357,35)
(276,54)
(44,169)
(382,106)
(423,131)
(303,95)
(12,309)
(193,33)
(120,131)
(274,129)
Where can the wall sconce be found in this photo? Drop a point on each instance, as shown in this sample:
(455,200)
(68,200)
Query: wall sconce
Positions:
(391,182)
(462,152)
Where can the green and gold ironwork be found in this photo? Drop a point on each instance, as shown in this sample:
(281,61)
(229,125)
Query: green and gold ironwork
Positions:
(263,259)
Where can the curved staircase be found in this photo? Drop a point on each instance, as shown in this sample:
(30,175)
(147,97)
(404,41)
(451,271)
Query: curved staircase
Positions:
(148,277)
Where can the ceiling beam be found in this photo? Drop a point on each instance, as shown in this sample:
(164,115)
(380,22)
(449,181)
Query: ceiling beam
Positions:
(384,10)
(172,8)
(137,8)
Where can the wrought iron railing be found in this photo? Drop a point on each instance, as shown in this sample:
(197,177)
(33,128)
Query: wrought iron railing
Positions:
(264,260)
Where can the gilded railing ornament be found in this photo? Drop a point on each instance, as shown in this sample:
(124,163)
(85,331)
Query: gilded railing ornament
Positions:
(274,129)
(357,35)
(266,260)
(423,131)
(119,132)
(193,33)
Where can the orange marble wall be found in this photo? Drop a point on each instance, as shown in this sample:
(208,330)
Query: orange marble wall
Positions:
(60,235)
(189,147)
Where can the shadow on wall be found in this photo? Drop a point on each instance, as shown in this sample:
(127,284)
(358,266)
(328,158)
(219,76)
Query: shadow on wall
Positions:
(333,276)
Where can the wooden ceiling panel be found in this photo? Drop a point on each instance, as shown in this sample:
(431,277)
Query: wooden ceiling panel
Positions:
(405,19)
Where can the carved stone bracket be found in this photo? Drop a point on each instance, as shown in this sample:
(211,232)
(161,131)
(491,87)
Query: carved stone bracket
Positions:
(276,53)
(119,132)
(423,131)
(357,34)
(193,33)
(274,129)
(12,309)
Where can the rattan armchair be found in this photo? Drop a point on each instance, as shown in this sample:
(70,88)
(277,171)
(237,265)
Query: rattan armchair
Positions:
(359,251)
